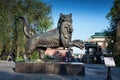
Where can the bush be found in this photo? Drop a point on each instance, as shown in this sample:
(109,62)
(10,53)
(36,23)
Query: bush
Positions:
(117,58)
(19,59)
(34,56)
(48,58)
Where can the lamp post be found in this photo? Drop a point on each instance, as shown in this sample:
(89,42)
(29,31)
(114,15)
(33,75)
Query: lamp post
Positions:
(109,74)
(109,68)
(111,48)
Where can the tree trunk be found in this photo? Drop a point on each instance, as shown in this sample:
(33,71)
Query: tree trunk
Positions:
(117,41)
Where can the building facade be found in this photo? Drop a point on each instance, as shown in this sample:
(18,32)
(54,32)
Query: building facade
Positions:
(100,39)
(95,47)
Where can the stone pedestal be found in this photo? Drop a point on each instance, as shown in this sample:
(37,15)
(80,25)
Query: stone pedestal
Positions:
(59,68)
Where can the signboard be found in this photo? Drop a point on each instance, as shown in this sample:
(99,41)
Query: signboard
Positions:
(109,62)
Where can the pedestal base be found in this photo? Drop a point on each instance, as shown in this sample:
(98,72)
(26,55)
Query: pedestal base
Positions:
(60,68)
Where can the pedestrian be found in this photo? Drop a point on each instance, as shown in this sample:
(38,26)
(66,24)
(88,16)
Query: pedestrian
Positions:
(10,57)
(69,55)
(95,59)
(102,59)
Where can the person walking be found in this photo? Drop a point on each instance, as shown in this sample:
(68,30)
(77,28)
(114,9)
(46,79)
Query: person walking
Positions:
(102,59)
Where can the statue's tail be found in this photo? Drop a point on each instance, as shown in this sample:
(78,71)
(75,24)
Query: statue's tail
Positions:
(26,26)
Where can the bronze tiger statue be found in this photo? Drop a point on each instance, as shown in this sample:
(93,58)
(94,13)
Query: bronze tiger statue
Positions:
(58,37)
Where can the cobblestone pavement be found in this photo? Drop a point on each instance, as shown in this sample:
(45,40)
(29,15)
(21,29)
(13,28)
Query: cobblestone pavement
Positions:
(93,72)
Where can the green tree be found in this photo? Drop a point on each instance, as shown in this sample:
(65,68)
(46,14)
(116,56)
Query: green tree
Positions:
(12,38)
(114,30)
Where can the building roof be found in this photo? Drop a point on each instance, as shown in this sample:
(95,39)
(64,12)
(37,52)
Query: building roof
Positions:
(98,34)
(91,44)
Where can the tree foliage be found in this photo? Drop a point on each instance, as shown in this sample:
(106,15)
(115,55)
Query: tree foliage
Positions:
(114,30)
(11,27)
(114,17)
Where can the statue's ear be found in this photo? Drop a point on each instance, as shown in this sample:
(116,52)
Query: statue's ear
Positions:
(70,14)
(61,14)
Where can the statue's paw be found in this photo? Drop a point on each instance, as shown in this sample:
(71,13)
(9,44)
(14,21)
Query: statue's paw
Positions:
(79,43)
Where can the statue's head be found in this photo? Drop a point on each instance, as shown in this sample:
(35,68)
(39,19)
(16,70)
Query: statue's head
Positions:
(65,20)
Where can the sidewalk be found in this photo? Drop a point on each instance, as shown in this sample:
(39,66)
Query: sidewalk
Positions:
(99,72)
(93,72)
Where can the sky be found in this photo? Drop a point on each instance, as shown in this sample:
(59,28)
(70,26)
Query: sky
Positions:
(88,16)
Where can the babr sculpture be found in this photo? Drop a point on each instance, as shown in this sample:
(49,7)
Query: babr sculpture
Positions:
(58,37)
